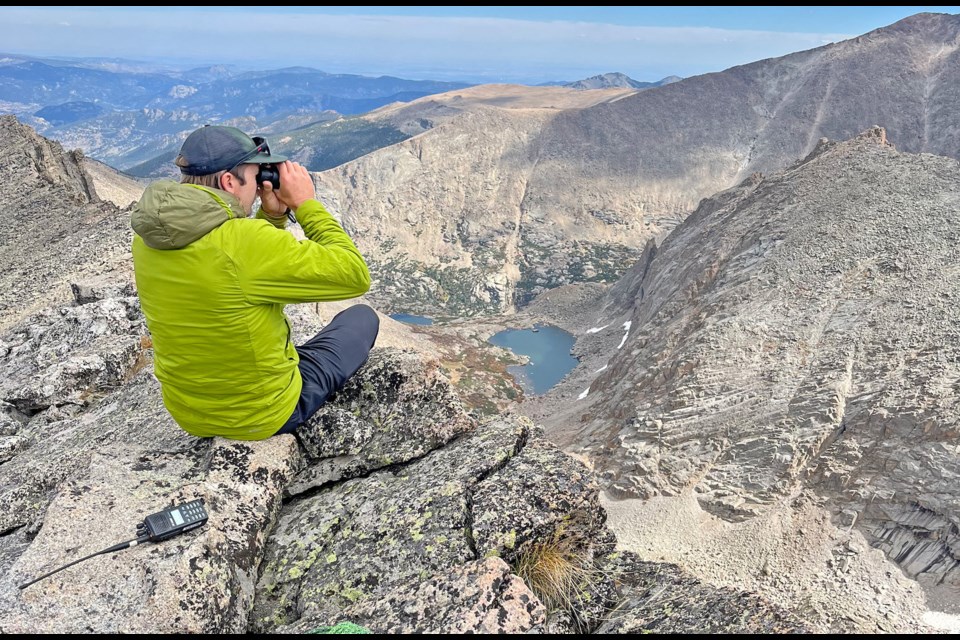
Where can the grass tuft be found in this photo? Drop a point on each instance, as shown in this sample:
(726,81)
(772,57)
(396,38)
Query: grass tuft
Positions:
(557,572)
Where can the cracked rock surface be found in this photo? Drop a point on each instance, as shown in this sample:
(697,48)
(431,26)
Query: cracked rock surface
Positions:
(409,544)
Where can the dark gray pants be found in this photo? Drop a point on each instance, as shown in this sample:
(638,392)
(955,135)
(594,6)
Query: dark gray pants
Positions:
(329,359)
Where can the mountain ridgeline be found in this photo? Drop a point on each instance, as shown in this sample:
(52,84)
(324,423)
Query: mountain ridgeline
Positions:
(63,228)
(613,80)
(126,117)
(495,205)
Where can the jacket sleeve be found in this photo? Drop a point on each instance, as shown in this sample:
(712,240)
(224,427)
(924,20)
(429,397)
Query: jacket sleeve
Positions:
(274,267)
(279,223)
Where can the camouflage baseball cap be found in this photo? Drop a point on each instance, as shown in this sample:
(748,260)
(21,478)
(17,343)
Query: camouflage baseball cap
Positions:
(214,148)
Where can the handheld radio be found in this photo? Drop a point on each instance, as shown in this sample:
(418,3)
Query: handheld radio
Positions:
(173,521)
(156,527)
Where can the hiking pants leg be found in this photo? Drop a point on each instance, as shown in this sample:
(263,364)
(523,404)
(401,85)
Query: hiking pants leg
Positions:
(329,359)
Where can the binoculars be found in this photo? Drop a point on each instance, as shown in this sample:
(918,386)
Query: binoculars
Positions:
(268,172)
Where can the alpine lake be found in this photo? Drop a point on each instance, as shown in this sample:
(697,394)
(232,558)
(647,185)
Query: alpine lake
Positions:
(547,347)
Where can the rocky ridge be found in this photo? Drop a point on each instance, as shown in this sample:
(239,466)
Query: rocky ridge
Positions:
(63,229)
(611,80)
(795,338)
(394,509)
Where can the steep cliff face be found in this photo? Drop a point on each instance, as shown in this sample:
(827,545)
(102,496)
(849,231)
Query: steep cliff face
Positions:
(660,151)
(797,333)
(442,216)
(493,207)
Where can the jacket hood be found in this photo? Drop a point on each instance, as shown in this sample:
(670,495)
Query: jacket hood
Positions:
(172,215)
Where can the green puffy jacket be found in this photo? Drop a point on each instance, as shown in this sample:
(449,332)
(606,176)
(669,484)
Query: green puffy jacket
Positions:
(213,283)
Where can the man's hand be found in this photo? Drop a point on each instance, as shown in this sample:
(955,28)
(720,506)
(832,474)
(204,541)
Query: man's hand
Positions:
(296,185)
(272,205)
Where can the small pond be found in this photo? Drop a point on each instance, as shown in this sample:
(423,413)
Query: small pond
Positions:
(409,319)
(549,351)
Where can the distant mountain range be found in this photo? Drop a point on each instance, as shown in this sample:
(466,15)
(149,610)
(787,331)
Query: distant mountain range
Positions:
(610,81)
(216,93)
(133,115)
(126,115)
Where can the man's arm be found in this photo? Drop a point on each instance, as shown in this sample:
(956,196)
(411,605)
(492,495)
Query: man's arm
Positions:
(274,267)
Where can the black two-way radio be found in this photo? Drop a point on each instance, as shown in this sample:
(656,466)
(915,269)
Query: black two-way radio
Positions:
(173,521)
(158,526)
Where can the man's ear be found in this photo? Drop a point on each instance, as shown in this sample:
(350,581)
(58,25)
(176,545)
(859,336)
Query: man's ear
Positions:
(226,181)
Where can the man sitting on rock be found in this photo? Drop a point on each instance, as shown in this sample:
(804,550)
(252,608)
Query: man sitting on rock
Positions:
(213,283)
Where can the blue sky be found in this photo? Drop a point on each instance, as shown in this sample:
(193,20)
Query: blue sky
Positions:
(474,44)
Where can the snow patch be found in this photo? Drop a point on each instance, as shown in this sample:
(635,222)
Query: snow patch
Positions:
(626,332)
(584,394)
(596,329)
(601,368)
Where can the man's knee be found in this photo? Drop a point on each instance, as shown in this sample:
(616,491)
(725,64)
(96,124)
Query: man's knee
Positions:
(366,317)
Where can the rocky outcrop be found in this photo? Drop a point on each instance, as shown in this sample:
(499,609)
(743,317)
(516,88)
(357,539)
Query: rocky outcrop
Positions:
(481,596)
(424,533)
(190,584)
(62,355)
(59,228)
(348,543)
(798,332)
(410,412)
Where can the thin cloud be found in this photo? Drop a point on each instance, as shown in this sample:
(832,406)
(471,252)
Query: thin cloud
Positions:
(396,44)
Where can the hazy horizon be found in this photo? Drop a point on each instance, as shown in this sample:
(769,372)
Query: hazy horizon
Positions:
(470,44)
